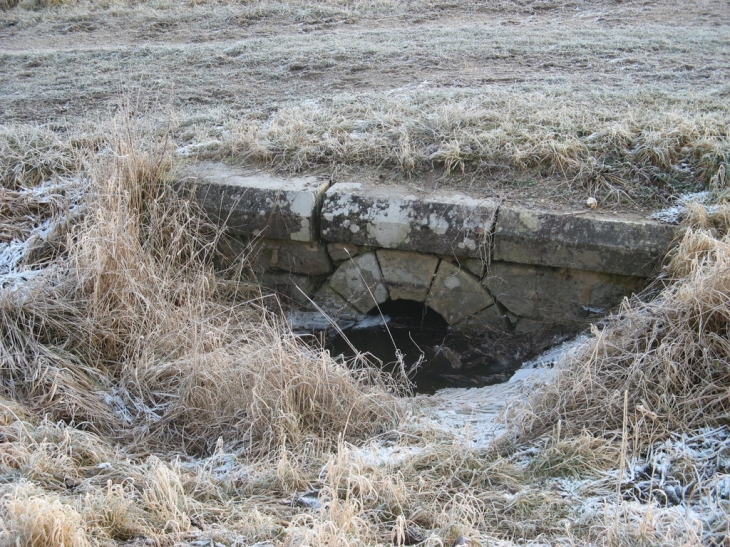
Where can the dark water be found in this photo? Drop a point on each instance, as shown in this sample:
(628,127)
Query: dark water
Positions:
(435,356)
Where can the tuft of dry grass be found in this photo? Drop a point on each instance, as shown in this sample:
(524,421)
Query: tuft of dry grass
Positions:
(31,154)
(30,520)
(575,457)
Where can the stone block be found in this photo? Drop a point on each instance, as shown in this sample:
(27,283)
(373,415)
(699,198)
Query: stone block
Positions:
(309,258)
(339,252)
(258,204)
(298,288)
(396,218)
(456,294)
(529,326)
(626,245)
(476,266)
(556,295)
(408,275)
(489,319)
(360,282)
(333,304)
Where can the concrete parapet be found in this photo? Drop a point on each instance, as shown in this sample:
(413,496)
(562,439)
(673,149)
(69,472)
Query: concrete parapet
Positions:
(480,263)
(395,218)
(258,204)
(623,245)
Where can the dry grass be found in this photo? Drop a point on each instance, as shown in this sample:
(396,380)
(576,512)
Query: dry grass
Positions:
(653,146)
(126,335)
(40,520)
(147,399)
(136,336)
(571,97)
(325,7)
(31,154)
(658,366)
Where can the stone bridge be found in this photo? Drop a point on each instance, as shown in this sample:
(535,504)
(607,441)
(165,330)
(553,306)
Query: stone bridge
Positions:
(479,263)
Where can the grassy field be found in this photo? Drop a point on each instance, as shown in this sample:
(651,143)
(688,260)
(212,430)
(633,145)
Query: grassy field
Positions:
(625,101)
(148,399)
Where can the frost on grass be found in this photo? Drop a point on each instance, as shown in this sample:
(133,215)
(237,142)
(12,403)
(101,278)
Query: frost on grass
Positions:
(34,224)
(632,154)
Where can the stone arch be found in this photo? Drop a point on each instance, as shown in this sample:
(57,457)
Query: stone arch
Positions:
(361,283)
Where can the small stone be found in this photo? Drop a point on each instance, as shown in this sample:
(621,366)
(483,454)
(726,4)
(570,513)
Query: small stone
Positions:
(360,282)
(451,356)
(456,294)
(462,541)
(412,535)
(592,203)
(408,275)
(310,500)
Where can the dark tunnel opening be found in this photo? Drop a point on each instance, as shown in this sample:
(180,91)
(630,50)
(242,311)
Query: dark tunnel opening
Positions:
(435,355)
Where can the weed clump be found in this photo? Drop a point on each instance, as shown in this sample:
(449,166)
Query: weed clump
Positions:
(33,520)
(130,332)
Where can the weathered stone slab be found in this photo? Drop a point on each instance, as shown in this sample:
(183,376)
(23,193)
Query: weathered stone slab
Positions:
(476,266)
(309,258)
(258,204)
(584,241)
(360,282)
(484,320)
(408,275)
(394,218)
(556,295)
(456,294)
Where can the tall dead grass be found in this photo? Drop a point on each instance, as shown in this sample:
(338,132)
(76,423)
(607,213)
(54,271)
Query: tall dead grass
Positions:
(132,334)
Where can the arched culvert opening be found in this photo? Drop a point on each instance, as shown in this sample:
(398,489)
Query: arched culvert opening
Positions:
(441,317)
(434,355)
